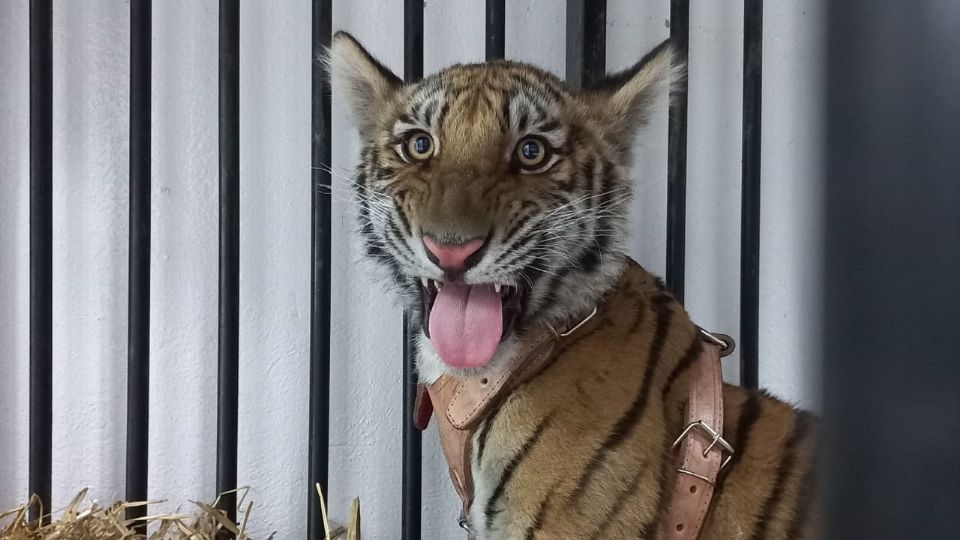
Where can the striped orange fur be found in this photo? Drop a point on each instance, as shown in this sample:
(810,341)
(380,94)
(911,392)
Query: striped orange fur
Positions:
(583,449)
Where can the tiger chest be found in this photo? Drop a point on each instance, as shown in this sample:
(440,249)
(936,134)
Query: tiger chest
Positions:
(543,466)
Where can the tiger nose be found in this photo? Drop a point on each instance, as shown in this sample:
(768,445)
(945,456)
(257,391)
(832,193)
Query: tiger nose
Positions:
(452,257)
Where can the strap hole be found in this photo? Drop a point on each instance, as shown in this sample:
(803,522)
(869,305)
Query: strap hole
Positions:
(693,489)
(483,381)
(679,527)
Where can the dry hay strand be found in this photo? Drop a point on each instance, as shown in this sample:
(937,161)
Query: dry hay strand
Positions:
(90,521)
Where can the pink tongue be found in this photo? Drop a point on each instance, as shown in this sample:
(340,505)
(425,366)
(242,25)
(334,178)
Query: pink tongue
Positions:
(466,324)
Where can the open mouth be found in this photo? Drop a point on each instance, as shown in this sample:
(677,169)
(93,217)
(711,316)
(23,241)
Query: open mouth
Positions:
(466,323)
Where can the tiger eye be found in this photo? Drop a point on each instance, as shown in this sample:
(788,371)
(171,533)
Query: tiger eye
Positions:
(531,153)
(419,146)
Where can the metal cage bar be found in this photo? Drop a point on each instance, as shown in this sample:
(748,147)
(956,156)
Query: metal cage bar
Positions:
(412,479)
(41,256)
(677,156)
(750,198)
(495,25)
(320,269)
(138,302)
(229,300)
(586,42)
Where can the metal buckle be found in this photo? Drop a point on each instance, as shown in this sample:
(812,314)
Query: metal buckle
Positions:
(725,342)
(575,328)
(716,439)
(463,521)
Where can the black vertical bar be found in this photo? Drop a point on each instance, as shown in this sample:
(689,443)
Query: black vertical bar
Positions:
(320,269)
(496,20)
(412,452)
(412,40)
(892,247)
(677,155)
(41,239)
(586,42)
(229,320)
(138,302)
(750,199)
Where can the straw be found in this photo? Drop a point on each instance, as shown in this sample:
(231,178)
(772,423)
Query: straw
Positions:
(82,520)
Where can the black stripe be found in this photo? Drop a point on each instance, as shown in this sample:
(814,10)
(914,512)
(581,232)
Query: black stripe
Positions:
(519,223)
(628,421)
(444,109)
(642,308)
(366,228)
(585,173)
(404,251)
(505,111)
(617,506)
(748,417)
(548,126)
(693,351)
(515,252)
(607,182)
(404,222)
(429,112)
(539,116)
(542,87)
(522,121)
(404,118)
(401,250)
(485,430)
(510,469)
(417,113)
(541,513)
(804,500)
(550,296)
(662,488)
(592,257)
(800,428)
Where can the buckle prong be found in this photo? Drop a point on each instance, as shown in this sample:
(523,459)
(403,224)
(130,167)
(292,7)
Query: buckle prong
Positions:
(715,437)
(576,327)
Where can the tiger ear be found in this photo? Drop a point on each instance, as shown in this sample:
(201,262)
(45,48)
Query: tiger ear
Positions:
(366,83)
(624,100)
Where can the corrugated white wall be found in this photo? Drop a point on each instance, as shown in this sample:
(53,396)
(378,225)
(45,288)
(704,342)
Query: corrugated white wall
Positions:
(91,93)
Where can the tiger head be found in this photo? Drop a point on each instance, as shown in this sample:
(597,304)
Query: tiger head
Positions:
(493,194)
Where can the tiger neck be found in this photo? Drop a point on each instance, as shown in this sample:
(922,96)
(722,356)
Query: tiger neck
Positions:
(661,340)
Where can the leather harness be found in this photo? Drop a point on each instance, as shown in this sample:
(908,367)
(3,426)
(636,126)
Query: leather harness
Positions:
(461,404)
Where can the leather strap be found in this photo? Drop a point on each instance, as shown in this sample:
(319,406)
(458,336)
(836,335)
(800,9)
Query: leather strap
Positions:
(475,395)
(702,450)
(464,401)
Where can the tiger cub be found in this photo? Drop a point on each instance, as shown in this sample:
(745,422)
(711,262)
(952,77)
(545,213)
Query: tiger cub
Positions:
(494,196)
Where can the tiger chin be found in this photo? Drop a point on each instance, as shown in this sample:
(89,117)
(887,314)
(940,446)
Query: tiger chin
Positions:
(495,197)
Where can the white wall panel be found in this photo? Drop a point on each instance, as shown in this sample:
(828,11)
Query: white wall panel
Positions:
(90,165)
(792,161)
(366,364)
(14,250)
(183,262)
